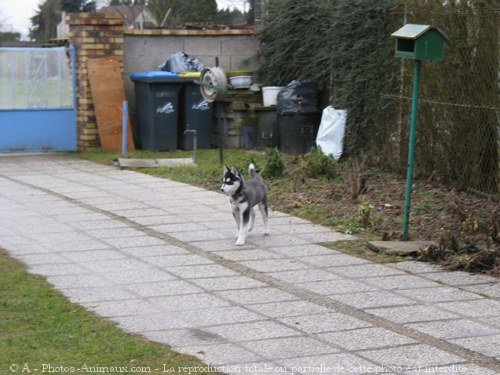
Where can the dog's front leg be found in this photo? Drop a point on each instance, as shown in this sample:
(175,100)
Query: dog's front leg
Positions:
(237,219)
(245,218)
(252,220)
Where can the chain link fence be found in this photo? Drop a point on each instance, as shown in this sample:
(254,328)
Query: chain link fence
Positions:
(346,46)
(458,136)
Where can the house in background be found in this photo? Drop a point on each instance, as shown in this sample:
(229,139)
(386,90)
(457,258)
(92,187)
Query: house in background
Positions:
(136,17)
(62,27)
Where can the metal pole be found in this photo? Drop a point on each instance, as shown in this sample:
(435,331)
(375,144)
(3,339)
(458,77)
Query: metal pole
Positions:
(124,127)
(195,147)
(195,142)
(411,149)
(219,132)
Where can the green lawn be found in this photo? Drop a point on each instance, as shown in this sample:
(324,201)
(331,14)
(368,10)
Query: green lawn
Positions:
(207,173)
(40,328)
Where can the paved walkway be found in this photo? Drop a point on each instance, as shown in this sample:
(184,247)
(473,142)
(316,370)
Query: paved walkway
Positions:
(158,258)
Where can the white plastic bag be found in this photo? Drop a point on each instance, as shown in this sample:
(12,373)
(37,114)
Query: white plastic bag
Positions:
(331,132)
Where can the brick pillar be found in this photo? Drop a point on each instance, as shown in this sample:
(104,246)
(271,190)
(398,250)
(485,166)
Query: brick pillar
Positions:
(93,35)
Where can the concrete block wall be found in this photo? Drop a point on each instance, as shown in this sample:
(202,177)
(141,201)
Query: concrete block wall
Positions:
(145,50)
(93,35)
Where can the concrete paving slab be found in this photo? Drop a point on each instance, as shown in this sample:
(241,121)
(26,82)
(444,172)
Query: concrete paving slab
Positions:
(113,309)
(154,251)
(165,288)
(222,354)
(366,338)
(59,269)
(478,308)
(401,282)
(201,271)
(241,255)
(185,337)
(438,294)
(303,250)
(454,329)
(276,240)
(366,270)
(227,283)
(94,255)
(343,363)
(459,278)
(255,296)
(97,294)
(177,260)
(138,276)
(324,261)
(305,276)
(330,322)
(206,317)
(158,257)
(379,298)
(411,356)
(410,314)
(79,281)
(182,227)
(275,265)
(150,322)
(202,236)
(338,286)
(223,245)
(286,309)
(466,368)
(139,241)
(487,345)
(262,330)
(277,349)
(36,259)
(491,290)
(72,246)
(190,302)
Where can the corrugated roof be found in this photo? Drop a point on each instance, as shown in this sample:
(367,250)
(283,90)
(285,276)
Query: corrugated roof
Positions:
(413,31)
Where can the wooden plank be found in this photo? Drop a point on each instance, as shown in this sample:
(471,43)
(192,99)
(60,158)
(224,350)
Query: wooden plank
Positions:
(108,94)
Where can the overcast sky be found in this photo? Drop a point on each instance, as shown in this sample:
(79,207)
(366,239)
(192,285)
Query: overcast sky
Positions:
(15,14)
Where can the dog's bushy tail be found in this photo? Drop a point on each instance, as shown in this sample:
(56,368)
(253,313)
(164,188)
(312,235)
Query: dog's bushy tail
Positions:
(251,170)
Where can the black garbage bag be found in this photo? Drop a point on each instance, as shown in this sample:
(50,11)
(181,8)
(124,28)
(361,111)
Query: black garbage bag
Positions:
(298,97)
(182,62)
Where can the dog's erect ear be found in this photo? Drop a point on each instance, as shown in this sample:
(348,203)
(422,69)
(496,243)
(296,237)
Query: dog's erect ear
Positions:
(235,171)
(225,169)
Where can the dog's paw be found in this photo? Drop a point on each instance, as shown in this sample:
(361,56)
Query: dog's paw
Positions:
(266,232)
(240,242)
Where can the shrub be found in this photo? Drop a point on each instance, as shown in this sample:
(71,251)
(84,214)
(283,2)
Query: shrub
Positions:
(315,164)
(275,166)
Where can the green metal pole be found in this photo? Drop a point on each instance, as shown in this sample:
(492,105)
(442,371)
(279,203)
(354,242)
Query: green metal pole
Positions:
(411,149)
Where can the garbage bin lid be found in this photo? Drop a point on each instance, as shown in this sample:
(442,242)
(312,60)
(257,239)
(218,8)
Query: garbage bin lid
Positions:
(265,109)
(190,74)
(299,113)
(155,76)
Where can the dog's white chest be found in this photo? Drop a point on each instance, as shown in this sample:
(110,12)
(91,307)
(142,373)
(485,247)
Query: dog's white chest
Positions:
(237,206)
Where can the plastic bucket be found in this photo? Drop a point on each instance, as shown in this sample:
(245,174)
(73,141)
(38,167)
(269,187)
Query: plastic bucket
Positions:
(270,95)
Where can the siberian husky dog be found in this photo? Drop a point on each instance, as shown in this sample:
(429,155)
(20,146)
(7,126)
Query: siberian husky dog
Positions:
(243,196)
